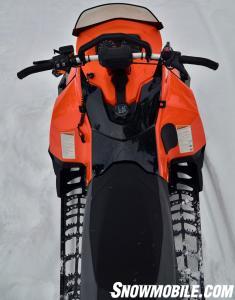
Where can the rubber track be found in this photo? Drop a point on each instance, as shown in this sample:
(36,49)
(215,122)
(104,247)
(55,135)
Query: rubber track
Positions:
(72,214)
(185,211)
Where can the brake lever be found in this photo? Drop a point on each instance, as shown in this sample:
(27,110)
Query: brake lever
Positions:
(171,59)
(40,62)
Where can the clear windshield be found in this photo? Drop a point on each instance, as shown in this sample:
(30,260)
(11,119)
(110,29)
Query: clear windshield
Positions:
(107,12)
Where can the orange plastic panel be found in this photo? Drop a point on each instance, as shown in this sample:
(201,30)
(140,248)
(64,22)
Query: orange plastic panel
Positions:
(181,110)
(65,119)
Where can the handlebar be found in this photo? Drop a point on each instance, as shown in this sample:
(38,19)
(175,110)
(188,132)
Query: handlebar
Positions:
(137,55)
(184,59)
(75,61)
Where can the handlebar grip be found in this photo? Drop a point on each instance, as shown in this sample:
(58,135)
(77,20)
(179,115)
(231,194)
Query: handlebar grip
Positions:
(35,69)
(200,61)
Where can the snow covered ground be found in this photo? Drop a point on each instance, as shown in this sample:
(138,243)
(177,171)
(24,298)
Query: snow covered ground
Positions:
(29,208)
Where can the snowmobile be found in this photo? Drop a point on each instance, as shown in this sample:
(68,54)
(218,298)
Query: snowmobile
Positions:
(127,145)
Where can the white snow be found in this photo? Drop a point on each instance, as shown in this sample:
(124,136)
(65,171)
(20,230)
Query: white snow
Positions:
(29,208)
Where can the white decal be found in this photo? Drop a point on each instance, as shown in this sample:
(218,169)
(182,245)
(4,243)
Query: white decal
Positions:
(68,145)
(185,139)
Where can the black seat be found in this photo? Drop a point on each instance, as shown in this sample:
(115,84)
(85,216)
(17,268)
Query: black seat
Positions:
(125,226)
(128,233)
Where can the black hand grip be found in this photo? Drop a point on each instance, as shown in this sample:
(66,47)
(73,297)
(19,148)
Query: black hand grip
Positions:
(35,69)
(200,61)
(115,36)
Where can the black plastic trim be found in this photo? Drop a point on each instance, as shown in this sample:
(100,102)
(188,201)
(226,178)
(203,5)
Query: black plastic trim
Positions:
(63,175)
(169,136)
(193,168)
